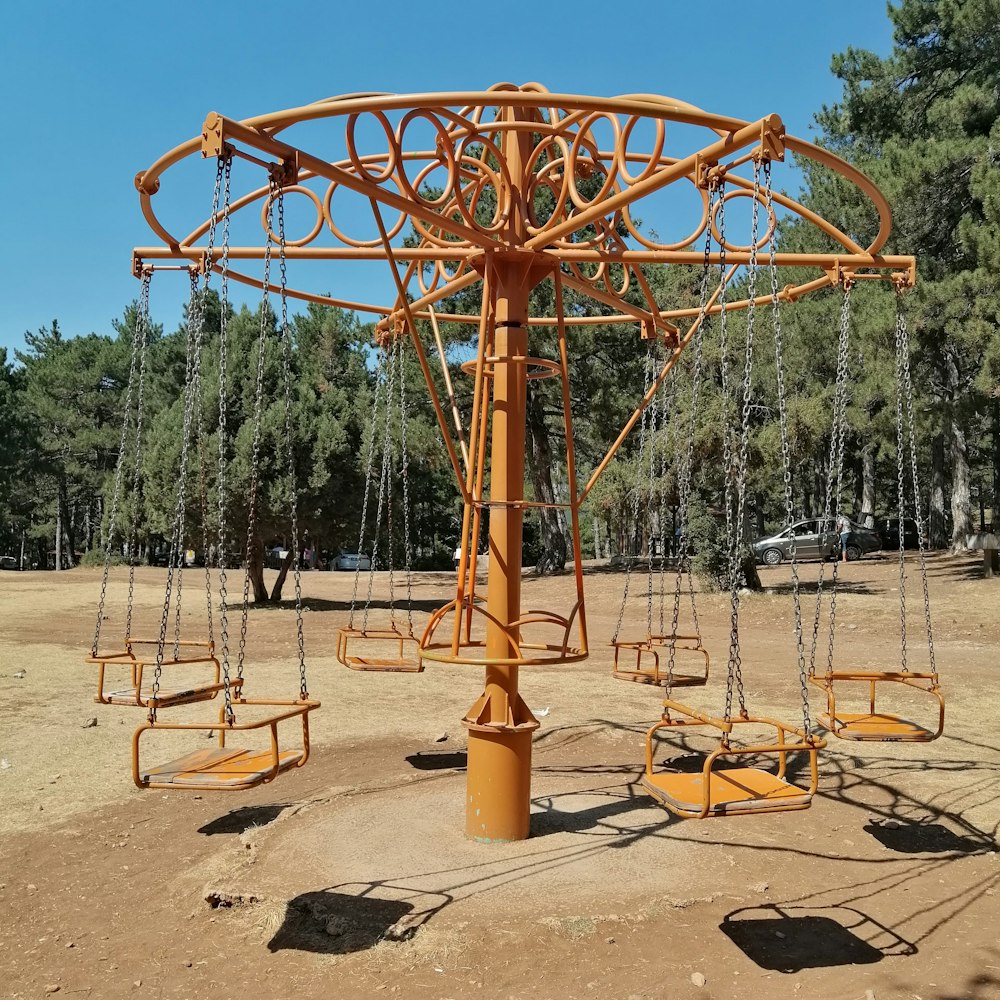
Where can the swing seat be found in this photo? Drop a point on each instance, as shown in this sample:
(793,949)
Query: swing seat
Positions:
(219,769)
(731,791)
(734,790)
(142,695)
(376,648)
(875,726)
(880,727)
(227,768)
(647,649)
(140,692)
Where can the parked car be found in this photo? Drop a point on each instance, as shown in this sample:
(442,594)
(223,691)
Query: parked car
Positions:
(810,543)
(860,539)
(9,562)
(352,561)
(888,529)
(815,539)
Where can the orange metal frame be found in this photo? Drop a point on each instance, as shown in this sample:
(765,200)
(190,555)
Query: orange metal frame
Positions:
(376,640)
(137,664)
(651,648)
(741,790)
(216,775)
(875,726)
(471,195)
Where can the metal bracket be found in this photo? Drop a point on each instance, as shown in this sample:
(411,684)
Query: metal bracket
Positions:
(285,173)
(772,139)
(144,187)
(213,141)
(707,174)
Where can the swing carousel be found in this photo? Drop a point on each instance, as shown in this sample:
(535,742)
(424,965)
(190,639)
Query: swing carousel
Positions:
(484,196)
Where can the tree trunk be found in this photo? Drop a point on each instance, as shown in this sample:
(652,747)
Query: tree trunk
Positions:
(282,574)
(961,514)
(868,483)
(553,555)
(936,519)
(994,522)
(58,535)
(256,571)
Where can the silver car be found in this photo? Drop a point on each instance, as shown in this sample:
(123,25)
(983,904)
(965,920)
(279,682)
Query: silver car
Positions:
(352,561)
(811,542)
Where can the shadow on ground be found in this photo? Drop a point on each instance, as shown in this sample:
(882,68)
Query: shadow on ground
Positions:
(337,923)
(240,820)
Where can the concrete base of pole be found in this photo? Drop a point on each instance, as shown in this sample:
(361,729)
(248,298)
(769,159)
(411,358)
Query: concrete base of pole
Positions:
(498,786)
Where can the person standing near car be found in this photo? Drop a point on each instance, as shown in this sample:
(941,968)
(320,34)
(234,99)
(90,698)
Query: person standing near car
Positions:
(844,530)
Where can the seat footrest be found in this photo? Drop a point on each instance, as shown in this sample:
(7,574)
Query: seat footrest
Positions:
(880,727)
(219,768)
(732,791)
(164,697)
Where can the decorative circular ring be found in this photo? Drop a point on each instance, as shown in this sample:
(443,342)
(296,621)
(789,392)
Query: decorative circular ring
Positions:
(293,189)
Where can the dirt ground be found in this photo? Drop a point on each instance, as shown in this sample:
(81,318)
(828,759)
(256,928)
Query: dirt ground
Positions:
(352,877)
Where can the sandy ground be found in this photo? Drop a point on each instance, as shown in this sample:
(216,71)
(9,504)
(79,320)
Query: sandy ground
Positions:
(352,877)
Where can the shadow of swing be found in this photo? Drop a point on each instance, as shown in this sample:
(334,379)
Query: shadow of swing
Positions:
(242,819)
(339,923)
(790,939)
(438,760)
(924,838)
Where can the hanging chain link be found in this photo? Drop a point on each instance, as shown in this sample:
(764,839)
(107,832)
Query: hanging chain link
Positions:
(654,424)
(687,465)
(786,458)
(138,337)
(405,471)
(668,445)
(727,452)
(736,570)
(634,496)
(258,408)
(132,543)
(196,316)
(293,492)
(836,474)
(369,468)
(384,488)
(195,333)
(230,717)
(900,488)
(917,509)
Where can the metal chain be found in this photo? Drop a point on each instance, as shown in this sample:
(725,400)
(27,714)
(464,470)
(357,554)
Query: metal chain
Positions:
(643,425)
(383,478)
(223,429)
(917,509)
(405,470)
(222,181)
(389,469)
(836,474)
(177,550)
(727,450)
(137,336)
(137,455)
(196,316)
(654,424)
(667,445)
(687,465)
(369,468)
(736,574)
(900,464)
(258,406)
(286,366)
(786,458)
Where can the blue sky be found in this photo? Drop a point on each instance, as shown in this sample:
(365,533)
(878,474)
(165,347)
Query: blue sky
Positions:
(99,90)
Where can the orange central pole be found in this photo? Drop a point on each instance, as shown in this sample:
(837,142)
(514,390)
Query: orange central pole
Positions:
(500,725)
